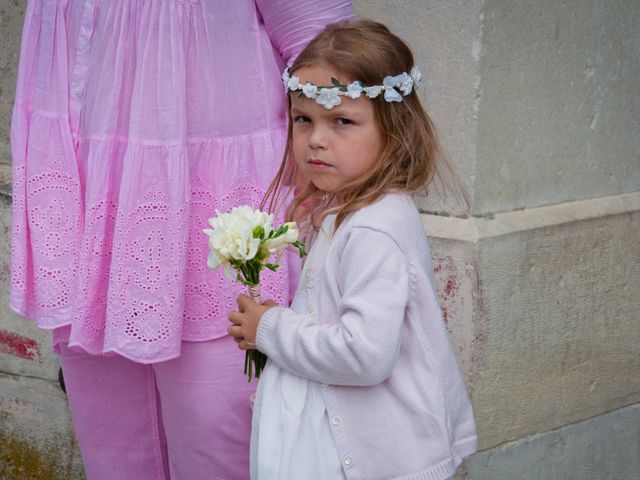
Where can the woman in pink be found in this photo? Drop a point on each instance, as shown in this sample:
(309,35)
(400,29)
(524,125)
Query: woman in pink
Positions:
(133,121)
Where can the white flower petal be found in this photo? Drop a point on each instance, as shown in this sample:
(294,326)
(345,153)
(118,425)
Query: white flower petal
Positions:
(329,97)
(293,83)
(309,90)
(354,90)
(373,92)
(416,75)
(391,95)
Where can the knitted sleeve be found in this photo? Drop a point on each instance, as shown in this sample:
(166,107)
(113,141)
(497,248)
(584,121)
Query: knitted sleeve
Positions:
(361,347)
(291,24)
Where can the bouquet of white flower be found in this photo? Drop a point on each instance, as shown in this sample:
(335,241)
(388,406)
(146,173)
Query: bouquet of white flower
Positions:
(241,242)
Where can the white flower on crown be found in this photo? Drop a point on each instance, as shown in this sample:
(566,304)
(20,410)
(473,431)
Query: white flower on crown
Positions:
(390,93)
(293,83)
(416,75)
(354,90)
(329,97)
(406,84)
(373,92)
(309,90)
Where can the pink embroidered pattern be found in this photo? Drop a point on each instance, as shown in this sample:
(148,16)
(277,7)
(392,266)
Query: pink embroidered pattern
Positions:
(47,212)
(94,264)
(128,272)
(145,287)
(18,252)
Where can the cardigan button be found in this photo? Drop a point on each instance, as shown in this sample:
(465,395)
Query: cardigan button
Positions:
(347,461)
(335,421)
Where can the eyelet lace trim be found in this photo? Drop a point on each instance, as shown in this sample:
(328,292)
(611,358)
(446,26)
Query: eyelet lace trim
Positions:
(134,277)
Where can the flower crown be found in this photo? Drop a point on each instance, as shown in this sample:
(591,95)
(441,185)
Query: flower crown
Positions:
(329,97)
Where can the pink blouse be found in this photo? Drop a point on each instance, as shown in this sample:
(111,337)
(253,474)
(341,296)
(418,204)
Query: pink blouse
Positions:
(133,121)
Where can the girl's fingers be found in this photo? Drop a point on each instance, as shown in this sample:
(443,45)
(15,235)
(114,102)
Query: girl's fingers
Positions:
(235,332)
(243,301)
(245,345)
(235,318)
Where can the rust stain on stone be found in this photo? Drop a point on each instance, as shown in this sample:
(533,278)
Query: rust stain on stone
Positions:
(451,287)
(19,346)
(20,460)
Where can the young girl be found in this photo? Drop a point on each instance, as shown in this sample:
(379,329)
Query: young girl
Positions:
(362,382)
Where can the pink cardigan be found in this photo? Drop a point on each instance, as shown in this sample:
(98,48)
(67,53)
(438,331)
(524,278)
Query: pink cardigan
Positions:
(375,338)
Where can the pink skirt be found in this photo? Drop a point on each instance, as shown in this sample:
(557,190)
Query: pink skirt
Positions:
(133,122)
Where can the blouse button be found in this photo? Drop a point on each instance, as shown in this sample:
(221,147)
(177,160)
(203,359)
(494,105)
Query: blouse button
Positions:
(347,461)
(310,308)
(335,421)
(83,43)
(76,90)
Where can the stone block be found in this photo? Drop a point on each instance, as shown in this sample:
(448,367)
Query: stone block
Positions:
(545,320)
(37,441)
(11,20)
(605,447)
(558,110)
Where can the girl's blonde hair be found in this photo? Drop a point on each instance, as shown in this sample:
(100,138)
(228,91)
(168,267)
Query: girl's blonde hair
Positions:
(366,51)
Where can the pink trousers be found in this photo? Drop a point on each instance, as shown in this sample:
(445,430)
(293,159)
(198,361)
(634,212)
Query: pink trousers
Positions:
(184,419)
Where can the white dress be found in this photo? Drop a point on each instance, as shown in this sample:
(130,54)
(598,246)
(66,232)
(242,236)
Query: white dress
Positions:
(291,435)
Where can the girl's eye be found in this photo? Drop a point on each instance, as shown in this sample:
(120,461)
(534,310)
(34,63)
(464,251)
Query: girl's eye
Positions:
(301,119)
(343,121)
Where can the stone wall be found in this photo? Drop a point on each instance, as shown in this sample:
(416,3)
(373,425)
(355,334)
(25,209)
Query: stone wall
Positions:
(538,105)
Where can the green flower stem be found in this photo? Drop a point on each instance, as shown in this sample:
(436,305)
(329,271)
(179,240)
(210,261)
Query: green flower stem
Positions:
(254,360)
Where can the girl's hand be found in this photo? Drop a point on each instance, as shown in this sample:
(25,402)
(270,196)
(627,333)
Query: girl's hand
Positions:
(245,321)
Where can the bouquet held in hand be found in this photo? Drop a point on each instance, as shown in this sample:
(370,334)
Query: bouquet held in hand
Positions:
(242,242)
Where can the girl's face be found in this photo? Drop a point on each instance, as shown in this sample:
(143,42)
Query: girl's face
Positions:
(333,147)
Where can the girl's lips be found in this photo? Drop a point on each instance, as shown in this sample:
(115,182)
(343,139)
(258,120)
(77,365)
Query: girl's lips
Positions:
(316,164)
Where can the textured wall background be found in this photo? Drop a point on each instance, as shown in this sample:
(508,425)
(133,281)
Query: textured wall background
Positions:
(537,104)
(559,110)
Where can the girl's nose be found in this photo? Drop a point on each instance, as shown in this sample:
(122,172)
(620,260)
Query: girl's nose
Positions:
(318,138)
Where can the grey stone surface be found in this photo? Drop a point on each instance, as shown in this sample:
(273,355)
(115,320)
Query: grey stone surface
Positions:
(550,329)
(11,20)
(36,438)
(606,447)
(537,103)
(559,111)
(562,338)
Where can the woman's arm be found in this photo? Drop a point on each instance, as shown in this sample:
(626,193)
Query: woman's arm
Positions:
(291,24)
